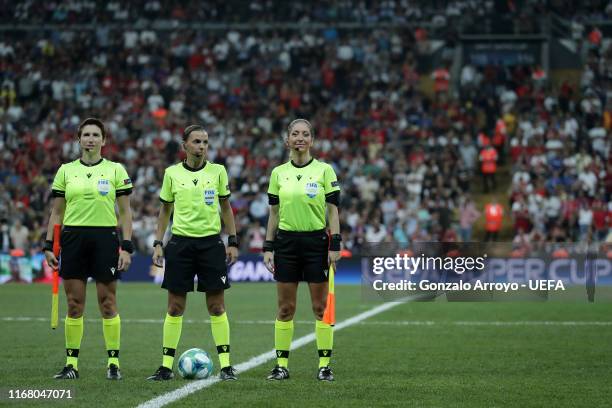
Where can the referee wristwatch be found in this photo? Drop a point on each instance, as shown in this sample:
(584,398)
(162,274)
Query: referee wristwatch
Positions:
(232,241)
(335,241)
(268,246)
(158,242)
(127,246)
(48,245)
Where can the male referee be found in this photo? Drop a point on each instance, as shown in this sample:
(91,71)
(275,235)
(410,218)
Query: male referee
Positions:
(194,190)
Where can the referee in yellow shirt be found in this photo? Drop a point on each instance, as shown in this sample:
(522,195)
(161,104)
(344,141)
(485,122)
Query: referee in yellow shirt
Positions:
(298,247)
(85,192)
(194,190)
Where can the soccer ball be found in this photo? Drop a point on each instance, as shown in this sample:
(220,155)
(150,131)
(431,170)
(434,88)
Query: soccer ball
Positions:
(195,363)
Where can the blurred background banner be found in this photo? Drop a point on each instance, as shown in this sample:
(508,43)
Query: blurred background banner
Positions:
(507,265)
(248,268)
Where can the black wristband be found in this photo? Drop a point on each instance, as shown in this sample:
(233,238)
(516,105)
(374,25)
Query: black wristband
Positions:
(232,241)
(334,244)
(268,246)
(48,246)
(158,242)
(127,246)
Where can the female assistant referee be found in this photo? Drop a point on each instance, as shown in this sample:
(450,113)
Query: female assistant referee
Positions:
(195,190)
(85,192)
(297,246)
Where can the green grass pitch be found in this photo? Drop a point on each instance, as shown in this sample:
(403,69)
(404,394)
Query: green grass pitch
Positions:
(423,354)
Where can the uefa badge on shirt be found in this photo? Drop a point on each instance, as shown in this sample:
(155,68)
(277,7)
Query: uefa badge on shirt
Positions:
(103,187)
(312,189)
(209,197)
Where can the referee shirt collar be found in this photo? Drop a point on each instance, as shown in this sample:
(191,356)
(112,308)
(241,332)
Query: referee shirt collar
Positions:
(303,165)
(92,164)
(188,167)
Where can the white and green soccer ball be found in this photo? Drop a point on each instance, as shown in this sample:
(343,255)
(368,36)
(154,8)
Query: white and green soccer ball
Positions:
(195,363)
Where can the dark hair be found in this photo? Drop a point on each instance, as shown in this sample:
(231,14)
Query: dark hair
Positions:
(92,121)
(192,128)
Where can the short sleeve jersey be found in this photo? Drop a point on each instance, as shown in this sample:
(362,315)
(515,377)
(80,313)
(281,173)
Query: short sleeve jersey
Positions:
(90,191)
(302,192)
(195,194)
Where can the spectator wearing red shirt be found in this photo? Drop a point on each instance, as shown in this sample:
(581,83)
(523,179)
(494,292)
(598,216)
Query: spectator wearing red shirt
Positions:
(520,215)
(494,214)
(600,220)
(595,37)
(441,77)
(488,167)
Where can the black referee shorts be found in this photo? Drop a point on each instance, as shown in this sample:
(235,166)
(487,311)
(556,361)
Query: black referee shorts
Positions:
(89,252)
(188,257)
(301,256)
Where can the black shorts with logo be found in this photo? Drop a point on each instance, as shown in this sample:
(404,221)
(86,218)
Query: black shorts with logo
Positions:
(89,252)
(187,257)
(301,256)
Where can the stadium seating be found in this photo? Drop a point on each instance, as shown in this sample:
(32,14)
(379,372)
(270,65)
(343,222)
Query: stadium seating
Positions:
(405,156)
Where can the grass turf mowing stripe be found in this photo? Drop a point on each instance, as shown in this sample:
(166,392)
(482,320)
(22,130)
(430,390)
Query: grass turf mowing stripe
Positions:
(188,389)
(362,323)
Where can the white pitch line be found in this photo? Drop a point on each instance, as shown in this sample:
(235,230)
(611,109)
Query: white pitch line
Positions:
(188,389)
(361,323)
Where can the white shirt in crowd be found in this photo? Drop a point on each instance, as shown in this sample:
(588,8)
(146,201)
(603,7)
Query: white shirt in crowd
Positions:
(19,236)
(374,234)
(598,140)
(468,75)
(352,219)
(259,207)
(585,216)
(521,176)
(389,208)
(552,206)
(369,189)
(589,181)
(234,165)
(570,127)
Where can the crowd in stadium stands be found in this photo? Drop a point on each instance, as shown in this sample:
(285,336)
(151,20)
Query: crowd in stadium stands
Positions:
(472,15)
(75,11)
(562,169)
(582,10)
(243,11)
(409,164)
